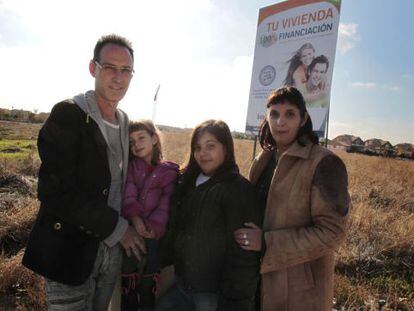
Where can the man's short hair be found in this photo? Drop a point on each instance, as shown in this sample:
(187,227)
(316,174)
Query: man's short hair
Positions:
(321,59)
(111,39)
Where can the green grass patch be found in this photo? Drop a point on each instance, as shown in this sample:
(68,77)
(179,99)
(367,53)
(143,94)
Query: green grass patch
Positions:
(403,287)
(17,148)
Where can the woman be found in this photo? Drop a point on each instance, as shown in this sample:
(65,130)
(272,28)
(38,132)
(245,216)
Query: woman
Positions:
(211,201)
(298,66)
(304,189)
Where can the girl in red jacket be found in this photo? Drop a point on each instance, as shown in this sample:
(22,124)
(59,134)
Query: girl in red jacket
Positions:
(146,204)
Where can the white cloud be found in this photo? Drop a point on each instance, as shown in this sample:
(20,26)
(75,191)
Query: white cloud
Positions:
(364,85)
(408,76)
(347,37)
(12,29)
(201,91)
(394,88)
(373,85)
(173,41)
(337,128)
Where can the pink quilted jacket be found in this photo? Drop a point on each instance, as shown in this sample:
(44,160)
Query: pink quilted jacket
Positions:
(148,195)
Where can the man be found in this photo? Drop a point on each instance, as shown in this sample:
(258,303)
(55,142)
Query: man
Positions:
(76,240)
(316,85)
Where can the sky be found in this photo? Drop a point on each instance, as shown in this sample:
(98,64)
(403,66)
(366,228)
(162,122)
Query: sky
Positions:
(201,52)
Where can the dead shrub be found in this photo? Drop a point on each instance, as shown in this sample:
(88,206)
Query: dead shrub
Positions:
(25,287)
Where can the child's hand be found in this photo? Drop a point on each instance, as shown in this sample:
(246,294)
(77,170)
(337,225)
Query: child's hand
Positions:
(139,225)
(149,234)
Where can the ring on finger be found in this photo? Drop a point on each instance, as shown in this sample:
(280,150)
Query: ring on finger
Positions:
(245,236)
(246,242)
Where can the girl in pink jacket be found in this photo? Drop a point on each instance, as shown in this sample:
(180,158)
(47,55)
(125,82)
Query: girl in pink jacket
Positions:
(146,204)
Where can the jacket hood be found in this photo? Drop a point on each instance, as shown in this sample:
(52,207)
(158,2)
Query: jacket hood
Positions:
(164,165)
(186,180)
(87,102)
(227,172)
(170,165)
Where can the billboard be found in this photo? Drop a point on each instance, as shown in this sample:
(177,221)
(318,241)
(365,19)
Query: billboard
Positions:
(295,45)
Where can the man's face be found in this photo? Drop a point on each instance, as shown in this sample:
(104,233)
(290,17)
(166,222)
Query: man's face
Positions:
(317,74)
(111,74)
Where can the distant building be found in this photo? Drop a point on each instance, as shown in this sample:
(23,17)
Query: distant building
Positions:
(41,117)
(373,143)
(357,141)
(20,115)
(404,150)
(4,114)
(343,141)
(387,145)
(378,145)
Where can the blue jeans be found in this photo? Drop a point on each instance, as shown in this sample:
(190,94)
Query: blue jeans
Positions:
(96,292)
(176,298)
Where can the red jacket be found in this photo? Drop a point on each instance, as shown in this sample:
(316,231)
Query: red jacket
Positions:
(148,194)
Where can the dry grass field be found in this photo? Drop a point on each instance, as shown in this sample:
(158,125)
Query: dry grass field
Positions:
(374,266)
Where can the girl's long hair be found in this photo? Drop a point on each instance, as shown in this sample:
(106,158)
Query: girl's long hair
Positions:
(151,129)
(295,62)
(291,95)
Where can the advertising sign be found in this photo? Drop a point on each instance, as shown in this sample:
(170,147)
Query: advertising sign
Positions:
(295,45)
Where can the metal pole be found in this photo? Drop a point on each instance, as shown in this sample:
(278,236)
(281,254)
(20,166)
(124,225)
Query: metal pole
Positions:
(154,107)
(254,147)
(327,128)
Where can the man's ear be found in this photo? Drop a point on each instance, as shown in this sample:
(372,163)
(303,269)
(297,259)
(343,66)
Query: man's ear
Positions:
(92,68)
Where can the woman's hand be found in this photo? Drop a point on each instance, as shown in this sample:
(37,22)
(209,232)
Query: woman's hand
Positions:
(250,237)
